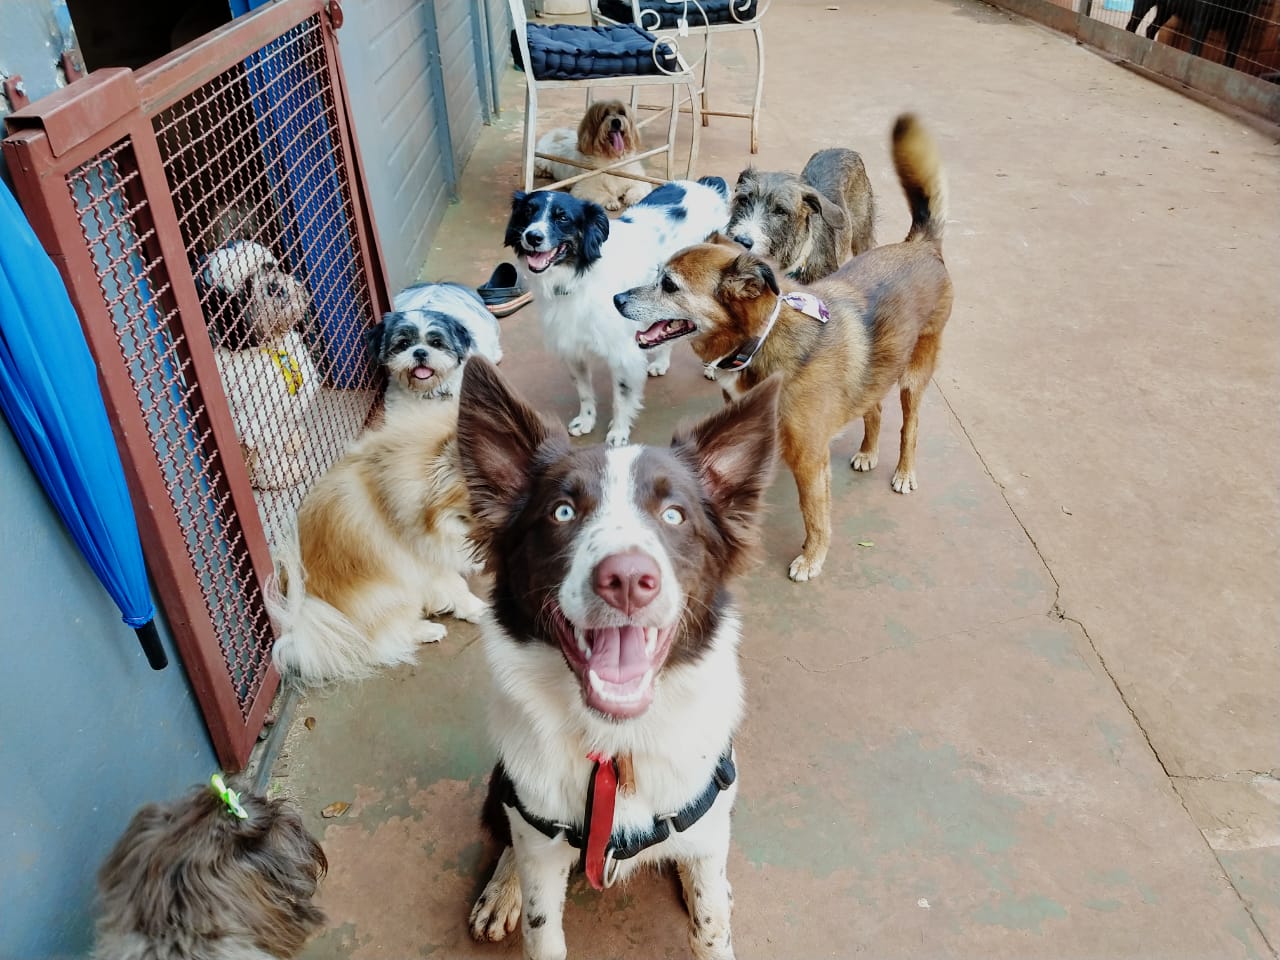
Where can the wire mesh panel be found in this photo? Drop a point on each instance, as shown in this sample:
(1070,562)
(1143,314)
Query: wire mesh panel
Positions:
(134,284)
(255,164)
(208,216)
(1244,34)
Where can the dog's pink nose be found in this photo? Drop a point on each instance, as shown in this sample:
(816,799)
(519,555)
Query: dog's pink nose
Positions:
(627,581)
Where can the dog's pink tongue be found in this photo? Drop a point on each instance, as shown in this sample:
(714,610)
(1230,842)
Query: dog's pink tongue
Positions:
(615,140)
(618,656)
(618,681)
(539,261)
(423,373)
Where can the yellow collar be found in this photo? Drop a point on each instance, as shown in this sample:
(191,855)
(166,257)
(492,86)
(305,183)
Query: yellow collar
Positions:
(289,368)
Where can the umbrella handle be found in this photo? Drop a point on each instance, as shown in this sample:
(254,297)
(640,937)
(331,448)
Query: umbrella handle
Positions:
(149,637)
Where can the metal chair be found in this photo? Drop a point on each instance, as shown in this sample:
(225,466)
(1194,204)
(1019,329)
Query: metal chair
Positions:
(707,17)
(665,50)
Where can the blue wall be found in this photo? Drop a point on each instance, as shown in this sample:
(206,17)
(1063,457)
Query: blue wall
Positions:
(88,732)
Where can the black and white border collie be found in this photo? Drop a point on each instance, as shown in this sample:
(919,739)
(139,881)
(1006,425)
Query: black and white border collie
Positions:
(611,639)
(575,259)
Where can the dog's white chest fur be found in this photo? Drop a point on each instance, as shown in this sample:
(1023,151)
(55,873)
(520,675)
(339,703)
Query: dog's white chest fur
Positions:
(544,733)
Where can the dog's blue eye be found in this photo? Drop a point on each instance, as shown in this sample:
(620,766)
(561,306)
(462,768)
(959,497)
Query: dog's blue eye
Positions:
(673,516)
(563,513)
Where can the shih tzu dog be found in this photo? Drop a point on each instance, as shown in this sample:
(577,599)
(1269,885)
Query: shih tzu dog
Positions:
(254,309)
(607,133)
(425,341)
(215,875)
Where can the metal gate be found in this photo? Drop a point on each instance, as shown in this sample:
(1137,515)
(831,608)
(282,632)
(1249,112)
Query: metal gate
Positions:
(134,181)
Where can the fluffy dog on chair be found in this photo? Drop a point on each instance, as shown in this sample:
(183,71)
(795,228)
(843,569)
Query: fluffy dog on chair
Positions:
(195,880)
(382,544)
(606,134)
(254,308)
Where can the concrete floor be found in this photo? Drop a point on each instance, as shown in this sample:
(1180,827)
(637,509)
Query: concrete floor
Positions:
(1039,716)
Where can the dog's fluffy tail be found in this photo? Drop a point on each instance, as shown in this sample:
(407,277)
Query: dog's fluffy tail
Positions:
(317,643)
(915,156)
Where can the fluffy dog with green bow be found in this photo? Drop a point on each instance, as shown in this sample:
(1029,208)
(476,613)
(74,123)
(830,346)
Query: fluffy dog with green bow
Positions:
(214,875)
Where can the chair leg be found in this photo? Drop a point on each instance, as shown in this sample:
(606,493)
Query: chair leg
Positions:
(672,126)
(696,130)
(706,65)
(530,134)
(755,104)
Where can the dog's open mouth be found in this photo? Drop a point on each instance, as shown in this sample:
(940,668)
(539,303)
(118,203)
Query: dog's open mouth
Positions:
(664,331)
(617,665)
(543,259)
(422,372)
(615,141)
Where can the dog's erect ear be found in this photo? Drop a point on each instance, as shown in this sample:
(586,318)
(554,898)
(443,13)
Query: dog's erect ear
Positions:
(747,278)
(734,451)
(720,239)
(499,435)
(747,177)
(374,335)
(820,205)
(595,231)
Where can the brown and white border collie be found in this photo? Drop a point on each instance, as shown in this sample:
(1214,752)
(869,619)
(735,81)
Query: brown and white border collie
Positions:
(612,641)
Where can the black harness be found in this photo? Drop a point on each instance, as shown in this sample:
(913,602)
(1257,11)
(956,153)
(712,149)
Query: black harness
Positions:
(626,846)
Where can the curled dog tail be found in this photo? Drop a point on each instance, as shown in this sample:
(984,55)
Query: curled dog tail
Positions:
(915,156)
(317,643)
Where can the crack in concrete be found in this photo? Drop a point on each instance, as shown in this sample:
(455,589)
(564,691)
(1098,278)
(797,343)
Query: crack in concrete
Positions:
(1240,776)
(1057,612)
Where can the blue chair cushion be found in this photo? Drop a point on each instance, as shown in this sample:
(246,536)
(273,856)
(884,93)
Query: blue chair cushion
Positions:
(565,51)
(717,11)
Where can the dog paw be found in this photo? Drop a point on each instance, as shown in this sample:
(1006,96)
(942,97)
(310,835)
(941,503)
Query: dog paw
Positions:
(904,481)
(428,631)
(635,195)
(864,461)
(495,914)
(804,569)
(719,949)
(659,367)
(617,437)
(582,424)
(614,204)
(471,609)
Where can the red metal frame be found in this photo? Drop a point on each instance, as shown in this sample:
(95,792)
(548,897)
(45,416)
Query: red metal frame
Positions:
(52,140)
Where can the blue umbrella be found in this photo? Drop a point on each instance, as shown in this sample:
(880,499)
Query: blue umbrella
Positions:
(49,394)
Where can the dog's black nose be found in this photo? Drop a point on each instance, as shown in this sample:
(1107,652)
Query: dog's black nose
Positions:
(620,301)
(616,123)
(420,355)
(533,238)
(744,240)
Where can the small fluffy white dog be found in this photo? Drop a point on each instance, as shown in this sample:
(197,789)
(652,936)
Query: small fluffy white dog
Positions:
(254,308)
(382,544)
(606,134)
(425,341)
